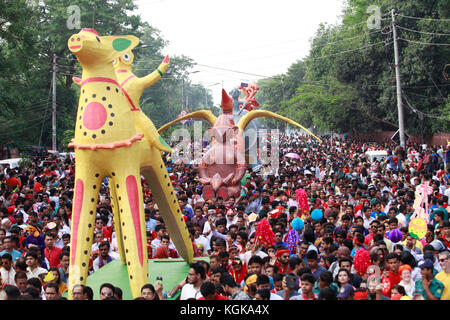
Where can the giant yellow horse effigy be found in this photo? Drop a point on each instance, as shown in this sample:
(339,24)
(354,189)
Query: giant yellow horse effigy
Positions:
(114,139)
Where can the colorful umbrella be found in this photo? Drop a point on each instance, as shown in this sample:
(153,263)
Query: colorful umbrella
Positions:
(292,155)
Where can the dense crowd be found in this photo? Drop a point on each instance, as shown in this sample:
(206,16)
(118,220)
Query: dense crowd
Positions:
(352,241)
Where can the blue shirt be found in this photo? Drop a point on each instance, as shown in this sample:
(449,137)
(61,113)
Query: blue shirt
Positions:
(293,293)
(150,224)
(188,212)
(318,272)
(375,214)
(14,254)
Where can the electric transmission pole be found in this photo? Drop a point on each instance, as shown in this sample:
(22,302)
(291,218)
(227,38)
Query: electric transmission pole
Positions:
(401,123)
(54,104)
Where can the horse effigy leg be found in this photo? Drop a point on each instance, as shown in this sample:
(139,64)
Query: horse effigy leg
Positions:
(131,211)
(117,221)
(158,179)
(87,184)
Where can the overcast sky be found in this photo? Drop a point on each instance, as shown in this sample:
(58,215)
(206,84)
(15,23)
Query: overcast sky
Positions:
(259,37)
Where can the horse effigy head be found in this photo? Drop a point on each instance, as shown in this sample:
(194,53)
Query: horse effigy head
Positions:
(90,48)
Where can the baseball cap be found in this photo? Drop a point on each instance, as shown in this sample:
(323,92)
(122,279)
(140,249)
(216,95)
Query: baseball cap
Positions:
(437,245)
(426,264)
(346,291)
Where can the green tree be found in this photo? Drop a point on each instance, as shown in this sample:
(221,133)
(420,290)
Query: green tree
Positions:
(32,31)
(350,73)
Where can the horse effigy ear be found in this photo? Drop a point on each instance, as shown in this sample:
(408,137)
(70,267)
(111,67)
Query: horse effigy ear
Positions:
(121,44)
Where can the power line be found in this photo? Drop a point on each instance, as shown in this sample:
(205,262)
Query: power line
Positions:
(45,115)
(424,32)
(426,70)
(235,71)
(423,87)
(427,97)
(346,51)
(426,43)
(346,39)
(423,114)
(419,18)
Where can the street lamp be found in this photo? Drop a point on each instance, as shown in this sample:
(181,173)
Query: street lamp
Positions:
(182,87)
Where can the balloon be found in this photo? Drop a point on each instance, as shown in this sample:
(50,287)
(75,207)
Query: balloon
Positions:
(395,235)
(316,214)
(297,224)
(417,228)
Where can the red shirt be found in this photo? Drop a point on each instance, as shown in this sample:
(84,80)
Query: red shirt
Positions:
(38,187)
(13,181)
(239,277)
(447,243)
(368,238)
(388,283)
(218,297)
(53,256)
(281,269)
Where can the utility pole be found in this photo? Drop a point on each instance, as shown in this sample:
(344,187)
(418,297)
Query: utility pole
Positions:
(182,94)
(401,123)
(168,102)
(282,88)
(54,104)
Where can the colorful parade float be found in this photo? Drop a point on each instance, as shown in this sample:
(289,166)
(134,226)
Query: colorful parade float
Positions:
(224,164)
(114,139)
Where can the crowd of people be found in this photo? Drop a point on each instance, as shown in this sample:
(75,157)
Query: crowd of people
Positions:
(351,242)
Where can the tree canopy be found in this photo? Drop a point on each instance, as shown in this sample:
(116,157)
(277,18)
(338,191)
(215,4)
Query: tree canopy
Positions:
(32,31)
(347,83)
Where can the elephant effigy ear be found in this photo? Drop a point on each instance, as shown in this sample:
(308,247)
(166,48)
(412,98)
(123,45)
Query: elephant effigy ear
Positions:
(245,120)
(200,114)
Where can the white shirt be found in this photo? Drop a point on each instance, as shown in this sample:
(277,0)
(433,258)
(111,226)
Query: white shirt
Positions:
(56,199)
(292,203)
(367,221)
(8,276)
(156,243)
(36,272)
(447,192)
(402,220)
(247,255)
(95,247)
(274,296)
(96,263)
(202,240)
(207,228)
(189,291)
